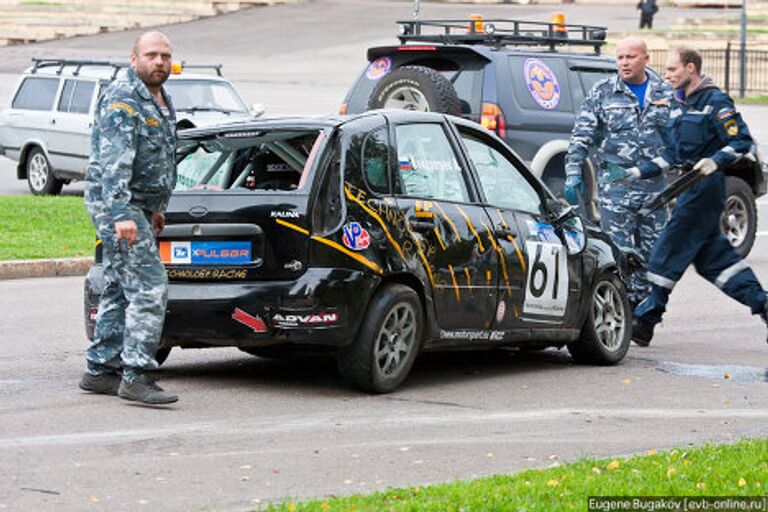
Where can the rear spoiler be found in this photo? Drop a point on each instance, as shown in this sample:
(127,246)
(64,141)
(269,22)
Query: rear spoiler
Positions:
(427,48)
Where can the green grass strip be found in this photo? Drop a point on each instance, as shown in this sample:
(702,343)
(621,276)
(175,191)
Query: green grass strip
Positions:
(739,469)
(33,227)
(753,100)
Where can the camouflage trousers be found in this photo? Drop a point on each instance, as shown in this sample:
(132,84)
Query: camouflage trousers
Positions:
(628,230)
(132,308)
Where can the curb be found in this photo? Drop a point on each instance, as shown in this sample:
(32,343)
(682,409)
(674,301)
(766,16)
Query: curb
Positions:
(24,269)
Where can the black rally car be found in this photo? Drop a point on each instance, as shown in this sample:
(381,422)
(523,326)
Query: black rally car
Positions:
(378,235)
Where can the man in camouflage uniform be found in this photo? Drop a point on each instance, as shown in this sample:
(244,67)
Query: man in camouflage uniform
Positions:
(129,180)
(623,116)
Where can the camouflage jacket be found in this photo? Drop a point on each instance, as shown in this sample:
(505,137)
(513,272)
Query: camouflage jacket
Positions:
(132,166)
(611,120)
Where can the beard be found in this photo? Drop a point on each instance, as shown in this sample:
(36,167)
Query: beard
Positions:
(152,77)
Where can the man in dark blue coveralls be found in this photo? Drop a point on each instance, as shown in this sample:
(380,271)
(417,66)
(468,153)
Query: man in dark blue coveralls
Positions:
(705,129)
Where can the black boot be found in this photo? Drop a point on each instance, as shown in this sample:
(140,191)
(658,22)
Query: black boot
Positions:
(143,389)
(642,332)
(104,384)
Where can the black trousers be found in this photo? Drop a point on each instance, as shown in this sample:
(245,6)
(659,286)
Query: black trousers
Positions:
(646,20)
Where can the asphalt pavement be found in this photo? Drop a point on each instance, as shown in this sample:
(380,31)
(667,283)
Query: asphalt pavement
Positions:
(248,430)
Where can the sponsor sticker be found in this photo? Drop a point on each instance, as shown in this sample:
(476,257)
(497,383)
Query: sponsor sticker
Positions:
(304,320)
(356,237)
(542,83)
(205,253)
(541,230)
(500,311)
(379,68)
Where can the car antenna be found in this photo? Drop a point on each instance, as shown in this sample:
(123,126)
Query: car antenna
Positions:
(415,9)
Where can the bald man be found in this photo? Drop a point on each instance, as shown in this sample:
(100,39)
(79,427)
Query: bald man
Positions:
(129,180)
(622,118)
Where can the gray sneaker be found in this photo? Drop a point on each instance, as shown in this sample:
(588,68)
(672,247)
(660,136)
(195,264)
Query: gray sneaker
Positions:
(144,390)
(104,384)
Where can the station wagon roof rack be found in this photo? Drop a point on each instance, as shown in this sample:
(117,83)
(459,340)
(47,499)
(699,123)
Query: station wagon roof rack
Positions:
(500,32)
(117,65)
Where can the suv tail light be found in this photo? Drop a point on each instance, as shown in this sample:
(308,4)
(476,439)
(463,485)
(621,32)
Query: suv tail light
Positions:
(493,119)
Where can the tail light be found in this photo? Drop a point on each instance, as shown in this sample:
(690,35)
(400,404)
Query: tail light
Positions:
(343,109)
(493,119)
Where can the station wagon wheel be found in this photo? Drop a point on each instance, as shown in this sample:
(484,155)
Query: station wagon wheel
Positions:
(607,329)
(40,176)
(738,222)
(383,352)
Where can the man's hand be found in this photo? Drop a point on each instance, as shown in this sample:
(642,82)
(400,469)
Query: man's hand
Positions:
(158,222)
(574,187)
(705,166)
(126,230)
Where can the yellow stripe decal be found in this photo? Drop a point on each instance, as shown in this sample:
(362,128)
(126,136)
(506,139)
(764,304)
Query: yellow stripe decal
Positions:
(512,239)
(471,228)
(455,284)
(378,219)
(488,277)
(449,221)
(469,281)
(355,256)
(421,254)
(501,257)
(439,238)
(292,226)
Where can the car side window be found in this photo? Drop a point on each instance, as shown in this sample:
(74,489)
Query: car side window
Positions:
(36,93)
(501,181)
(427,166)
(76,96)
(376,160)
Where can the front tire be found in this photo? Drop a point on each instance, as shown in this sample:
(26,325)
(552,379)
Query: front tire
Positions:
(383,352)
(738,221)
(607,329)
(40,176)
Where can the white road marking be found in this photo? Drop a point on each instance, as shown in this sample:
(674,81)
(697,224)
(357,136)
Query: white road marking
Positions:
(293,423)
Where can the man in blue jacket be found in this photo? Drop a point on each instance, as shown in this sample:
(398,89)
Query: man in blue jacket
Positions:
(706,130)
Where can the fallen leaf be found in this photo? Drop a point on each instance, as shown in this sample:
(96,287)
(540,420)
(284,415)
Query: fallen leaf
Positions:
(651,452)
(726,402)
(686,462)
(627,381)
(325,506)
(742,482)
(596,470)
(405,448)
(418,461)
(554,456)
(489,455)
(701,485)
(614,464)
(726,376)
(553,483)
(275,471)
(94,499)
(245,466)
(670,471)
(255,501)
(244,478)
(348,481)
(291,507)
(715,385)
(174,454)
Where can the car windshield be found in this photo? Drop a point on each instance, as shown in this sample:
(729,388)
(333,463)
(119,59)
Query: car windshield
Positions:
(204,95)
(249,160)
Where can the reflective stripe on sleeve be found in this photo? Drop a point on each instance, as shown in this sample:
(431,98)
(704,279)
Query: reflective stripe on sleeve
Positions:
(660,280)
(661,163)
(731,271)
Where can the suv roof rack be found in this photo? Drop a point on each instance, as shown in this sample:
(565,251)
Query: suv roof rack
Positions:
(500,32)
(117,65)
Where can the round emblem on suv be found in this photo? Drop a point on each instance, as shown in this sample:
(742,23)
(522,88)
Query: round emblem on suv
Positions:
(198,211)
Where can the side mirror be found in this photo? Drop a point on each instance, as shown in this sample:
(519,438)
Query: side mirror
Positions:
(559,210)
(257,109)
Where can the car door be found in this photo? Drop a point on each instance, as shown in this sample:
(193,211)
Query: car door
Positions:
(451,233)
(543,265)
(69,144)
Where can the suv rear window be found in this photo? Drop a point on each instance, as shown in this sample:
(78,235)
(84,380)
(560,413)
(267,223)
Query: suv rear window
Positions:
(76,96)
(272,160)
(36,93)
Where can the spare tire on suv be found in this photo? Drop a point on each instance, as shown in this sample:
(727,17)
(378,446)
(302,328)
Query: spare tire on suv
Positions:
(416,88)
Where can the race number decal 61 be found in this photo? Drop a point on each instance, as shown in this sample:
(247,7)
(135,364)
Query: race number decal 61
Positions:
(546,290)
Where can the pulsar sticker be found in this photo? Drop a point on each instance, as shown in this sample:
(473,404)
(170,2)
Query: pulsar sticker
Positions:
(546,289)
(378,68)
(542,83)
(356,237)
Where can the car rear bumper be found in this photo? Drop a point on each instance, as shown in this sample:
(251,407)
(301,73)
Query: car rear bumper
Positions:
(322,307)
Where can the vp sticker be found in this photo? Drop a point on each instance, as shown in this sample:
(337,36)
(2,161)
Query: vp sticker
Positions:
(378,68)
(356,237)
(542,83)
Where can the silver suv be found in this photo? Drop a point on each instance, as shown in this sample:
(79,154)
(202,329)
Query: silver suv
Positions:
(47,127)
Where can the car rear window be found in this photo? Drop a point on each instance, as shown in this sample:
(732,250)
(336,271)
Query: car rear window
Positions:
(76,96)
(204,95)
(252,160)
(36,93)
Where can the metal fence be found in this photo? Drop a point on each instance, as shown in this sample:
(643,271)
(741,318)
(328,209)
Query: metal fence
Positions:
(723,66)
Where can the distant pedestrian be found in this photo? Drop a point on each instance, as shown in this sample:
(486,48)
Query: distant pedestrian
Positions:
(129,180)
(647,9)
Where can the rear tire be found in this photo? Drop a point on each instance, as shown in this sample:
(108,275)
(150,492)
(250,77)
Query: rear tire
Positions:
(738,222)
(382,354)
(607,329)
(415,88)
(40,176)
